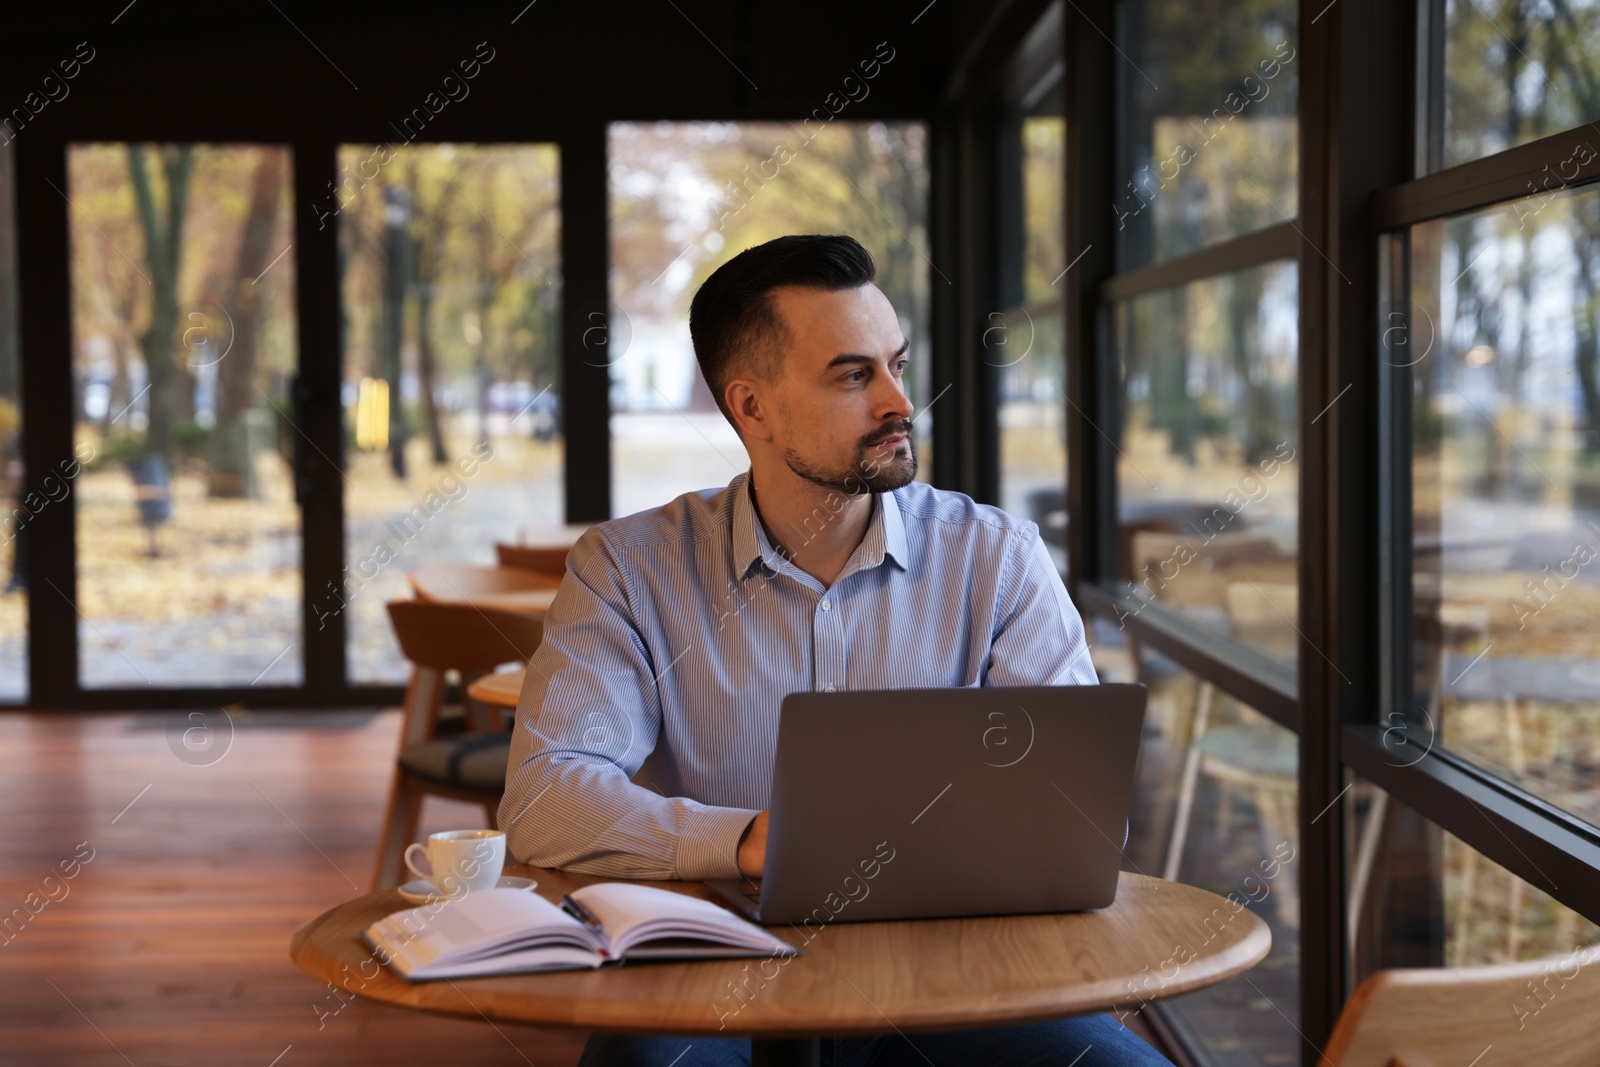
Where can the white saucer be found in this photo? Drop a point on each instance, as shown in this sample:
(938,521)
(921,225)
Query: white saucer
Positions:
(423,891)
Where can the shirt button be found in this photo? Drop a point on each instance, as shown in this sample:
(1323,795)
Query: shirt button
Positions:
(829,689)
(826,605)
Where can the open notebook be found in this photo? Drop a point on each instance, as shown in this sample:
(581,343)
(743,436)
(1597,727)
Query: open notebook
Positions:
(499,931)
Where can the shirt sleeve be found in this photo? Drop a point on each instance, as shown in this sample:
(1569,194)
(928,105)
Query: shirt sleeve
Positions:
(588,716)
(1039,637)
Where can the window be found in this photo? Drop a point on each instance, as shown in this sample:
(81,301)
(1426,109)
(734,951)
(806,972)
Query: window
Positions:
(685,198)
(1026,342)
(1215,806)
(1192,430)
(13,582)
(184,354)
(1512,72)
(1505,471)
(451,391)
(1207,130)
(1421,897)
(1207,478)
(1200,433)
(1485,740)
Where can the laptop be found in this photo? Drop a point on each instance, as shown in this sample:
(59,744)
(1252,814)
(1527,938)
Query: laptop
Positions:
(922,803)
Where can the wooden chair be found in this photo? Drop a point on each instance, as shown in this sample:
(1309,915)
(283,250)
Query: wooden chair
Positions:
(1196,588)
(1189,573)
(1200,583)
(1265,616)
(1542,1012)
(437,639)
(1249,755)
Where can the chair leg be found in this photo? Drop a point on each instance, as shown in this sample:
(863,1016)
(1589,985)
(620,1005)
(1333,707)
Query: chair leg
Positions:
(1278,812)
(1464,904)
(420,720)
(1514,919)
(1223,827)
(480,717)
(1186,787)
(1366,859)
(399,829)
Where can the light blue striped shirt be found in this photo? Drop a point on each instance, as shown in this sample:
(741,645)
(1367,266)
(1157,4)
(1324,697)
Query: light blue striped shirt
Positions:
(646,729)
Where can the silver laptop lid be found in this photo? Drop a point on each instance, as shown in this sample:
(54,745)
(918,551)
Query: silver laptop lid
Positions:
(917,803)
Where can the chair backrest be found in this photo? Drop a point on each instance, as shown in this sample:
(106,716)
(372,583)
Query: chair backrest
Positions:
(1255,605)
(546,559)
(1186,570)
(461,637)
(1265,616)
(446,582)
(1543,1012)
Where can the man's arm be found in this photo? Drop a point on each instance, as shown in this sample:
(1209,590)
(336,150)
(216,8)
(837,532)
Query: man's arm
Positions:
(1039,637)
(588,716)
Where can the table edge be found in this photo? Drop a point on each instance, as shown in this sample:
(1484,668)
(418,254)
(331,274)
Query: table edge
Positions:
(929,1015)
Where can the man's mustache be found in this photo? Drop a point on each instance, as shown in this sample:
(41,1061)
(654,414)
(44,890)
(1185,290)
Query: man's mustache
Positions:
(899,426)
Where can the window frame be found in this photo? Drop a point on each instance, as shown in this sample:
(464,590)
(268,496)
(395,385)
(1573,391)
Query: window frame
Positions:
(1358,193)
(1492,814)
(43,216)
(1035,70)
(1098,72)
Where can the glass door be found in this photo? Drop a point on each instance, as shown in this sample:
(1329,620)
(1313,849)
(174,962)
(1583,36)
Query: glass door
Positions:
(189,533)
(14,498)
(450,290)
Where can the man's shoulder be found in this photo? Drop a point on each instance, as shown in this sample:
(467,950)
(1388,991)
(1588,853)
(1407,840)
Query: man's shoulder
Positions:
(686,519)
(921,505)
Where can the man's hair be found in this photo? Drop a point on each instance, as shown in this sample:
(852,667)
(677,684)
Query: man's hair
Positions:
(732,320)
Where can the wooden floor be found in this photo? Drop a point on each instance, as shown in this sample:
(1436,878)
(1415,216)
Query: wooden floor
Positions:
(170,944)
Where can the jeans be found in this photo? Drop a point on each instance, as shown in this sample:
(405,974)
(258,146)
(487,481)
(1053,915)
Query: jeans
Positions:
(1085,1041)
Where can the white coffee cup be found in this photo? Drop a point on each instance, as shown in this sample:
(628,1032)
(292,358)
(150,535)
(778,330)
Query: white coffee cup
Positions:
(461,861)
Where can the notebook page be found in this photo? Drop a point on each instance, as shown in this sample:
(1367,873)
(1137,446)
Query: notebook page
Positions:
(477,924)
(631,913)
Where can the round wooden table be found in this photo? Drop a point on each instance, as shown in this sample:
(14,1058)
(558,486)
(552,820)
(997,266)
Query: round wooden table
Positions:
(498,690)
(510,589)
(1158,939)
(534,603)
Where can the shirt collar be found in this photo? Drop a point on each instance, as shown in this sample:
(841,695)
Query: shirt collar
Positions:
(885,537)
(750,545)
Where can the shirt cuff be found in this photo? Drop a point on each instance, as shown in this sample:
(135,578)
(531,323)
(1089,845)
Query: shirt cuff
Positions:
(708,847)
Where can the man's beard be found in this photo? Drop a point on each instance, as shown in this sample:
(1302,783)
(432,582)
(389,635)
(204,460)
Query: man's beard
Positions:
(882,474)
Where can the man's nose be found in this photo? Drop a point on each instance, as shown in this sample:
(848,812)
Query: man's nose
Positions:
(893,403)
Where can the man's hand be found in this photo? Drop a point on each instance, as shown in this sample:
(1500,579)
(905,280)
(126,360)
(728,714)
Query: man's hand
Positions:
(753,848)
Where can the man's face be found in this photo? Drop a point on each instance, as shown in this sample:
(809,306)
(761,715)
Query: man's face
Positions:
(844,420)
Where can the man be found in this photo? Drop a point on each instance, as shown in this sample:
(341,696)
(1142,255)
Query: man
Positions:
(677,632)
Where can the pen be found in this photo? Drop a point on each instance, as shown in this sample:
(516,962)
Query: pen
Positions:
(579,912)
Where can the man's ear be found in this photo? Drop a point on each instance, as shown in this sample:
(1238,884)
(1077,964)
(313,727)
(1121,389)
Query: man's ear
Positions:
(750,402)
